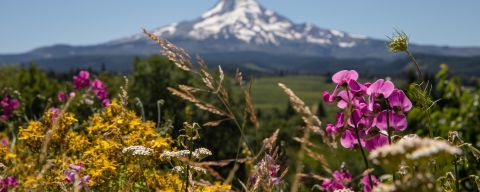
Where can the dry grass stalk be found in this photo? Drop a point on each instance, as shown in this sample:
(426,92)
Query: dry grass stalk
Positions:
(269,143)
(313,122)
(239,77)
(215,123)
(181,59)
(185,95)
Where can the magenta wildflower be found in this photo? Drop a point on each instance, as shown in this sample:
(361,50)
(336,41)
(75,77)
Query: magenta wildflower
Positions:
(55,112)
(341,78)
(8,105)
(76,169)
(366,183)
(380,88)
(396,121)
(61,96)
(8,182)
(344,76)
(105,102)
(4,141)
(399,101)
(81,80)
(340,180)
(376,141)
(368,104)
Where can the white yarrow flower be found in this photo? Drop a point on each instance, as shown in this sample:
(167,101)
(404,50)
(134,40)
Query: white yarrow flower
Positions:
(138,150)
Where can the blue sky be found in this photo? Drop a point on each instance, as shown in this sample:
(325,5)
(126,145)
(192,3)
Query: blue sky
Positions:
(28,24)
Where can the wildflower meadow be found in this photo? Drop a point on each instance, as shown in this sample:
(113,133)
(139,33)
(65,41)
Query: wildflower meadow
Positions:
(177,123)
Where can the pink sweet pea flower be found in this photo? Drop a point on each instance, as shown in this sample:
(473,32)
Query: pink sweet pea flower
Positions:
(396,121)
(379,88)
(344,76)
(399,101)
(376,142)
(341,78)
(349,140)
(340,180)
(366,183)
(357,88)
(334,129)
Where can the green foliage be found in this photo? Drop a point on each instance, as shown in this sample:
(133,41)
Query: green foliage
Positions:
(150,79)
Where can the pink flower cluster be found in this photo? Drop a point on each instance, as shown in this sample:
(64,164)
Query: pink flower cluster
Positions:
(8,182)
(366,183)
(340,180)
(8,105)
(373,109)
(75,169)
(81,81)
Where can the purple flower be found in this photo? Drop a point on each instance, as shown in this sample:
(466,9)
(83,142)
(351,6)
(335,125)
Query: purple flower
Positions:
(348,139)
(399,101)
(375,142)
(105,102)
(344,76)
(366,183)
(81,80)
(7,182)
(396,121)
(69,176)
(340,180)
(100,90)
(341,78)
(367,117)
(357,88)
(4,141)
(55,112)
(379,88)
(61,96)
(8,105)
(76,169)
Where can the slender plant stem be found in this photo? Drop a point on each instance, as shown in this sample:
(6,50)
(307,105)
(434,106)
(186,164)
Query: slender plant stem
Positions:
(301,157)
(457,184)
(159,114)
(388,122)
(365,160)
(363,155)
(420,75)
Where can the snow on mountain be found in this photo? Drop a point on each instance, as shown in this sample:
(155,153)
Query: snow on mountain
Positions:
(249,22)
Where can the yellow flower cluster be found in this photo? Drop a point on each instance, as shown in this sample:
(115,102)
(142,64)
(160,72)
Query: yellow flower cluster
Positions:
(103,146)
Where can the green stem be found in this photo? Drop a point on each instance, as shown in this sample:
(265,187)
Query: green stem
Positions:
(358,137)
(457,184)
(159,115)
(420,75)
(363,155)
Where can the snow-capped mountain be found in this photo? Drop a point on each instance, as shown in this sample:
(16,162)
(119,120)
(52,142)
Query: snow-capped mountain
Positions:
(250,23)
(234,30)
(248,26)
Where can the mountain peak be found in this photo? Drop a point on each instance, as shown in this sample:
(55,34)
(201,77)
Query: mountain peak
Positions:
(228,6)
(248,22)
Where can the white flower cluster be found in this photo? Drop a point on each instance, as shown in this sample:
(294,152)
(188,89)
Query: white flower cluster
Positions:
(414,148)
(138,150)
(175,154)
(199,153)
(343,190)
(180,169)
